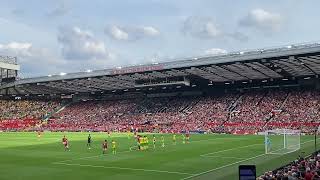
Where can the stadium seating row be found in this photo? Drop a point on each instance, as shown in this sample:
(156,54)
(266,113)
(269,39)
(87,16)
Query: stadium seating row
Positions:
(244,113)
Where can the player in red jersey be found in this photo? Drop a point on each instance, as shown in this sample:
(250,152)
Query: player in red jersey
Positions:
(104,146)
(65,143)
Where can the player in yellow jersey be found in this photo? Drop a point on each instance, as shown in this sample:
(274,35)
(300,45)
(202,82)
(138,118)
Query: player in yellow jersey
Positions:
(162,140)
(183,139)
(174,139)
(114,147)
(141,143)
(144,143)
(154,141)
(39,134)
(188,138)
(128,134)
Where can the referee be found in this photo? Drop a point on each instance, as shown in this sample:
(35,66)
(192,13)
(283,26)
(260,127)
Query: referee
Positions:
(89,142)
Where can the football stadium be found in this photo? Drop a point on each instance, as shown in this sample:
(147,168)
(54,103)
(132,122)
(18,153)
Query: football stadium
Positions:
(197,118)
(250,114)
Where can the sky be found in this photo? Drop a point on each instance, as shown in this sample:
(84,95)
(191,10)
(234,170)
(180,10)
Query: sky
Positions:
(54,36)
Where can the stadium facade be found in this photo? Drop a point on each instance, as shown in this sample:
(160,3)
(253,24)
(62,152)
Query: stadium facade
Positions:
(8,69)
(288,66)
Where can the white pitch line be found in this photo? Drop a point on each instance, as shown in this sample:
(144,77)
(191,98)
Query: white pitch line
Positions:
(124,168)
(205,172)
(220,138)
(241,147)
(211,170)
(225,157)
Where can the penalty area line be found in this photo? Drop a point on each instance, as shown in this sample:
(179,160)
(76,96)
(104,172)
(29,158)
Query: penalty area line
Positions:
(124,168)
(205,172)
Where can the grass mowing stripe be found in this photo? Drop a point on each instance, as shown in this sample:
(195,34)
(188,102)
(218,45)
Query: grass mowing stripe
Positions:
(33,159)
(241,147)
(88,157)
(225,157)
(124,168)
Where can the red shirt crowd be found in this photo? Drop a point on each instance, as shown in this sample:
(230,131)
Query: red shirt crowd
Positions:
(240,113)
(300,169)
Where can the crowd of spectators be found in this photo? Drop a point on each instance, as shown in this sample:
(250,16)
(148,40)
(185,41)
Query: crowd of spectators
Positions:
(232,113)
(240,113)
(25,109)
(300,107)
(170,114)
(253,110)
(24,114)
(300,169)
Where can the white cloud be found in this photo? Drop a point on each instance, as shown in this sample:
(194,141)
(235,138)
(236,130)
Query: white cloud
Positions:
(215,51)
(201,27)
(17,48)
(34,61)
(78,44)
(25,51)
(80,50)
(131,33)
(149,31)
(207,28)
(118,33)
(263,20)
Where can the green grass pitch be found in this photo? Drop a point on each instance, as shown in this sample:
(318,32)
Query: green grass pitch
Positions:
(24,156)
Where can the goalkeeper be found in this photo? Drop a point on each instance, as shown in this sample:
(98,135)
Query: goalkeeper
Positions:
(268,143)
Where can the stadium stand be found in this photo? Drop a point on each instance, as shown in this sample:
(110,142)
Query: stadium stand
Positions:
(26,109)
(24,114)
(237,113)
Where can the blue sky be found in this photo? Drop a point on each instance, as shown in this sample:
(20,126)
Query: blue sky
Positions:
(53,36)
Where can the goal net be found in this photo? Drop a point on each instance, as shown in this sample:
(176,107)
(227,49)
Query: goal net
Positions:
(282,141)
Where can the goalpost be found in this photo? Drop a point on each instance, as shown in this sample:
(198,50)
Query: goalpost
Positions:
(282,141)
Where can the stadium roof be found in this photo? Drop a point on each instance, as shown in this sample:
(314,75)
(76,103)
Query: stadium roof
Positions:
(293,61)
